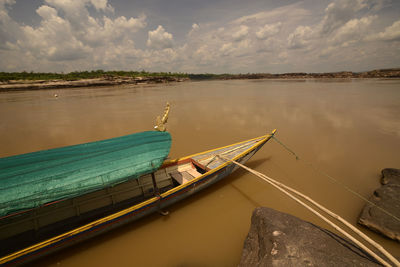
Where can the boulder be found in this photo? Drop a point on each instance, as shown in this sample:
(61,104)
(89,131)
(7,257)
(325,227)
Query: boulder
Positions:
(280,239)
(386,197)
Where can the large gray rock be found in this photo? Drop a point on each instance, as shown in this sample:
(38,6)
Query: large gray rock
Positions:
(280,239)
(388,198)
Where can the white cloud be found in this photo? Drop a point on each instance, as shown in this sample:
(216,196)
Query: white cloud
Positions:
(236,49)
(391,33)
(76,6)
(227,49)
(98,33)
(68,38)
(241,33)
(339,13)
(195,28)
(79,7)
(283,55)
(269,45)
(9,29)
(160,39)
(264,41)
(268,30)
(326,52)
(290,12)
(53,39)
(6,2)
(102,5)
(353,30)
(300,38)
(203,55)
(77,35)
(74,11)
(77,14)
(163,58)
(244,46)
(46,12)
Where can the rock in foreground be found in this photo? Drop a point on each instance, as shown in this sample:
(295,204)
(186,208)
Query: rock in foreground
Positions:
(388,198)
(280,239)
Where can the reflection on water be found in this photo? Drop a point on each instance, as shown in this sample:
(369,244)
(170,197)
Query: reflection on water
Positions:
(349,129)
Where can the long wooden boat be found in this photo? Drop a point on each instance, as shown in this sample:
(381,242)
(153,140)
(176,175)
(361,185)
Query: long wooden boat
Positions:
(41,230)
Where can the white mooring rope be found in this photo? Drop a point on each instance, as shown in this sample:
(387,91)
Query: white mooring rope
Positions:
(285,190)
(335,180)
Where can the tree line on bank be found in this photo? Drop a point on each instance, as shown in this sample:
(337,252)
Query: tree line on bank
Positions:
(77,75)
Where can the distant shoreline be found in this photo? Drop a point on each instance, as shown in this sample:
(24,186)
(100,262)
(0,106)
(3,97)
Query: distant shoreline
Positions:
(30,81)
(383,73)
(93,82)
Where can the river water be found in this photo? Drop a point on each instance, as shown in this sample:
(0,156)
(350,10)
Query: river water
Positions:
(349,129)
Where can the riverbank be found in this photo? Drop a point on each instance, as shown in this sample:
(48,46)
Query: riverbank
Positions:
(380,74)
(34,81)
(103,81)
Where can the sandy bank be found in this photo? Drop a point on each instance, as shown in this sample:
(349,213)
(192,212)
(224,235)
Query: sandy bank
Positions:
(105,81)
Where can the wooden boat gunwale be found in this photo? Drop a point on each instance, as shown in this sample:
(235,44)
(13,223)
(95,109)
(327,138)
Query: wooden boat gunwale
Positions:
(195,180)
(96,225)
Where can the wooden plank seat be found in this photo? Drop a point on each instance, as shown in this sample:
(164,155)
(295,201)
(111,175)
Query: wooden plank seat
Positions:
(185,175)
(185,172)
(182,177)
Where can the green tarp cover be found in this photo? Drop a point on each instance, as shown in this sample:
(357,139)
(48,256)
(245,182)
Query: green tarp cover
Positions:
(30,180)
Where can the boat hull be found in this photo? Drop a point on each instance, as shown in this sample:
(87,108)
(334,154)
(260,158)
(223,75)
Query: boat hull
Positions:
(135,212)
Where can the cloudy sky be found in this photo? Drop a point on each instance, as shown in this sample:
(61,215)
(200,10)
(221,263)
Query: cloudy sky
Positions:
(198,36)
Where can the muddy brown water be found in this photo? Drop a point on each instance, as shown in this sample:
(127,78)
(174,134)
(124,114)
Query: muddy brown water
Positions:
(349,129)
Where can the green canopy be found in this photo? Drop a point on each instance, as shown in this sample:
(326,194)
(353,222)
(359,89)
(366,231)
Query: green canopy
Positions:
(30,180)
